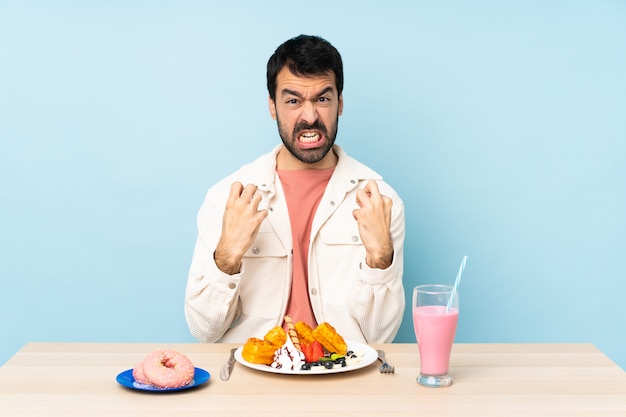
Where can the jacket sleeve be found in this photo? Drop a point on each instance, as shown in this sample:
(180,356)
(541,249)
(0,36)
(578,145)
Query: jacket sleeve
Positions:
(211,296)
(378,300)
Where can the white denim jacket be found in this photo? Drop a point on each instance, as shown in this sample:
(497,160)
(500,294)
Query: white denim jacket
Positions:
(363,304)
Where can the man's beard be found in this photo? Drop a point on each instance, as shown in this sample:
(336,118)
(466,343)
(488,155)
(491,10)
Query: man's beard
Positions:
(309,156)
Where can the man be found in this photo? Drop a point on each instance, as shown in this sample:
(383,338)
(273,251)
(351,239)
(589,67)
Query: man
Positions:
(304,230)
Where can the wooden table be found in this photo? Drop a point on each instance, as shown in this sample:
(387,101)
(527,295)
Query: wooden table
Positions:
(78,379)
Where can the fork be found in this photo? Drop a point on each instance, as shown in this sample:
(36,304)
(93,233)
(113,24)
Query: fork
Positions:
(385,368)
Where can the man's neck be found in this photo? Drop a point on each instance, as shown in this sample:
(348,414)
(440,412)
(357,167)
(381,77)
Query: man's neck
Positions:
(285,160)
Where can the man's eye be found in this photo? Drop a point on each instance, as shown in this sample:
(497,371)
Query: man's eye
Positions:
(323,99)
(292,101)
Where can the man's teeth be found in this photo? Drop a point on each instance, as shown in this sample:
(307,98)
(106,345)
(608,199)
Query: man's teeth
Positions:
(309,137)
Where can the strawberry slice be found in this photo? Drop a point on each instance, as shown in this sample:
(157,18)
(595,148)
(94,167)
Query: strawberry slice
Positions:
(312,351)
(307,350)
(317,350)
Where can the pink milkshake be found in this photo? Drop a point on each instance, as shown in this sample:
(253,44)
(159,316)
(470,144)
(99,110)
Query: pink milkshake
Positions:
(435,317)
(435,330)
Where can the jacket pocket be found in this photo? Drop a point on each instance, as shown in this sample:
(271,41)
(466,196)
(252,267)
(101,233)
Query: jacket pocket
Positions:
(341,231)
(266,244)
(337,255)
(266,279)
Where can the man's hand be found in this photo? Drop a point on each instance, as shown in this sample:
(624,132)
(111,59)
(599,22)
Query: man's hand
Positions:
(240,225)
(374,219)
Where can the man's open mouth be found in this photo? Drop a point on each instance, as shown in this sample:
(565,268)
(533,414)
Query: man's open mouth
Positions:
(309,137)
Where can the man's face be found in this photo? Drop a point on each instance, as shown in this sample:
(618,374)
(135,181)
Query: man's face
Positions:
(306,110)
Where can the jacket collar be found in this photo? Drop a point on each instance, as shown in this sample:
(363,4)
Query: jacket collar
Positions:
(347,175)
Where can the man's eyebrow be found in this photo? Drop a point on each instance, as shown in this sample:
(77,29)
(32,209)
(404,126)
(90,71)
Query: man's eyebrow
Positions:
(288,92)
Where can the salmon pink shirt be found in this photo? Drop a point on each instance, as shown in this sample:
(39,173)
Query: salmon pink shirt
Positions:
(303,191)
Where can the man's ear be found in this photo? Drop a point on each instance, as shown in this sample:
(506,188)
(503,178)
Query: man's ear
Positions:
(340,104)
(272,105)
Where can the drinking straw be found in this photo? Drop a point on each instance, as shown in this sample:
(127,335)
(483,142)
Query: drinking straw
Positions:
(456,282)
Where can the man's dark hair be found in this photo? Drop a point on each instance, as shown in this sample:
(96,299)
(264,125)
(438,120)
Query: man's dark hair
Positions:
(305,55)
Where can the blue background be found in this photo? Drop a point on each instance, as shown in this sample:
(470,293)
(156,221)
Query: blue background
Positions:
(501,124)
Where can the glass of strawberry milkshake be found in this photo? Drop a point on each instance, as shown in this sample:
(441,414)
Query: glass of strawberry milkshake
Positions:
(435,317)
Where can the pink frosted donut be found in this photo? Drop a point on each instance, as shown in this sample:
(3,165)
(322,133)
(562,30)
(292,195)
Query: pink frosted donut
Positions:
(139,375)
(168,369)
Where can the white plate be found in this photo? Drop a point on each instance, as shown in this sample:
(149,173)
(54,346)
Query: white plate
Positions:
(368,353)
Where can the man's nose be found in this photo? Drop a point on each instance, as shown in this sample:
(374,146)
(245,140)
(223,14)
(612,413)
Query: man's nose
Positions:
(309,113)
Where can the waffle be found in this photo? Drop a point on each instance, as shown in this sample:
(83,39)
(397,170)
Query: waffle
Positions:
(305,332)
(329,338)
(261,351)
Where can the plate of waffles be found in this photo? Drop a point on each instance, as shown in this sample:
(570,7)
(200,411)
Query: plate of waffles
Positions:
(359,356)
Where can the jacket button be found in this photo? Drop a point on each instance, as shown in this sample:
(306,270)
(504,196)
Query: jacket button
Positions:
(332,203)
(232,285)
(355,238)
(313,291)
(256,250)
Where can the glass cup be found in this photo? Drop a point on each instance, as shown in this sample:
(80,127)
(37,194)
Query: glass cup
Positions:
(435,328)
